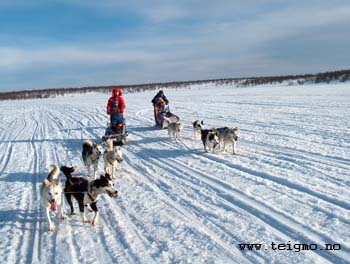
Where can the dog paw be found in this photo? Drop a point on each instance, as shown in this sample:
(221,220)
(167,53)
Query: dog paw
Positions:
(52,228)
(63,217)
(86,221)
(88,207)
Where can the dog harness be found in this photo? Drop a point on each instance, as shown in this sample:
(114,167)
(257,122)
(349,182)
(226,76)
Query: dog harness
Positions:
(94,157)
(111,158)
(91,191)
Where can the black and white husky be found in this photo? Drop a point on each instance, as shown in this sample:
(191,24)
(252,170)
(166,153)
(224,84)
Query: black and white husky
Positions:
(210,139)
(228,136)
(51,196)
(112,156)
(87,192)
(169,120)
(91,154)
(174,128)
(197,127)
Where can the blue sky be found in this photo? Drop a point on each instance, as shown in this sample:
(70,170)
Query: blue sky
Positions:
(74,43)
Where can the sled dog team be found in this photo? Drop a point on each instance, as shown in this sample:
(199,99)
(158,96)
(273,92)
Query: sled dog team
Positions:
(87,191)
(112,156)
(211,138)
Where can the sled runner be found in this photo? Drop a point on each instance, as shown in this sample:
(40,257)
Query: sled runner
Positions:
(116,130)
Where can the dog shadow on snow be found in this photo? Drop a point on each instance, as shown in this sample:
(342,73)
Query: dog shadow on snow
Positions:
(15,216)
(41,140)
(142,142)
(73,144)
(95,131)
(156,153)
(142,129)
(25,177)
(79,129)
(68,144)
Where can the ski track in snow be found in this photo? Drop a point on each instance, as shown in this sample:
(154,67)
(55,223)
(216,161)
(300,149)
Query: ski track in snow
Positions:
(177,204)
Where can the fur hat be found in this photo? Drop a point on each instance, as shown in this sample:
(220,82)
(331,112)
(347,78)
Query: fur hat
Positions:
(117,92)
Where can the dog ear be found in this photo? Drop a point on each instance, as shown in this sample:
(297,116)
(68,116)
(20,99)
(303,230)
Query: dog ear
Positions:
(97,182)
(108,176)
(103,180)
(47,183)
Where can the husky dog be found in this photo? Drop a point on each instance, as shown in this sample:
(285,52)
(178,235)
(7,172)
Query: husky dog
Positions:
(197,127)
(51,196)
(228,136)
(112,157)
(210,139)
(174,129)
(168,120)
(91,154)
(86,192)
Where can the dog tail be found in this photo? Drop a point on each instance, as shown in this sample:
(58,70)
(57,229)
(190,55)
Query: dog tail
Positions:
(88,143)
(109,143)
(53,175)
(67,171)
(167,120)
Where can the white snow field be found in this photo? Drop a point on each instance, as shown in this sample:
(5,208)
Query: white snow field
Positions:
(288,188)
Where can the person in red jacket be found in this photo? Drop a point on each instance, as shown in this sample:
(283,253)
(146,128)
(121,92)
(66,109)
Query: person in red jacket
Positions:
(115,107)
(116,103)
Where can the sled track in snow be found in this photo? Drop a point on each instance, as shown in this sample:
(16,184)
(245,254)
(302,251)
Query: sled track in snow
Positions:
(185,213)
(233,199)
(177,203)
(7,153)
(34,249)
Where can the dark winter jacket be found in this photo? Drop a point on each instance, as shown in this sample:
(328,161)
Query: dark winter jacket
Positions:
(159,95)
(116,103)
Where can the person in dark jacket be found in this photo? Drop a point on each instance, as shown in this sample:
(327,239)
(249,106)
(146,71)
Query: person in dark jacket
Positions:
(159,102)
(158,96)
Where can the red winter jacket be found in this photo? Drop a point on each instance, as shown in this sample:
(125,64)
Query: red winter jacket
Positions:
(116,103)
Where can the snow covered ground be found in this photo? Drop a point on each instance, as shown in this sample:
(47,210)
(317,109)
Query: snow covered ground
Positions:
(287,189)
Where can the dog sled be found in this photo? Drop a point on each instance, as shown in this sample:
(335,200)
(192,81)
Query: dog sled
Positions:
(162,113)
(116,130)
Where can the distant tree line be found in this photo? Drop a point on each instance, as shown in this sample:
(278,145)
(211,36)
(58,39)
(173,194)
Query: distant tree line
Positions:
(325,77)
